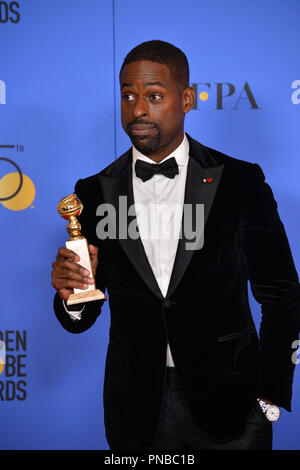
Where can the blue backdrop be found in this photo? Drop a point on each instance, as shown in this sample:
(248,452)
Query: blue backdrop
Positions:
(60,120)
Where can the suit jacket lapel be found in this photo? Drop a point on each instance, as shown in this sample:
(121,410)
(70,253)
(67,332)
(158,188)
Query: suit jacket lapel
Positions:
(116,182)
(201,166)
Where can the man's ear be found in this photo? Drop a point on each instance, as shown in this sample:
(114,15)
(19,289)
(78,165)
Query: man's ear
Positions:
(188,99)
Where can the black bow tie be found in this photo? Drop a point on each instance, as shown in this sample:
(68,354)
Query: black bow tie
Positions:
(145,170)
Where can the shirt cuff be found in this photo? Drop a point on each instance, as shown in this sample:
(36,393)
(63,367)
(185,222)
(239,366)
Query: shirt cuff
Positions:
(74,314)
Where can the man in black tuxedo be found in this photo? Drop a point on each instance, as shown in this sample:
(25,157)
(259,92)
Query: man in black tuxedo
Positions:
(185,367)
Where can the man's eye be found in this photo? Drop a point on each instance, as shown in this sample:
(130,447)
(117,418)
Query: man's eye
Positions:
(128,97)
(156,97)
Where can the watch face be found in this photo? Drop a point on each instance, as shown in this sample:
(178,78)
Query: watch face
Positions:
(273,413)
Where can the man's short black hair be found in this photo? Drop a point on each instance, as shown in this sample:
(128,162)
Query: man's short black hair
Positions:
(163,53)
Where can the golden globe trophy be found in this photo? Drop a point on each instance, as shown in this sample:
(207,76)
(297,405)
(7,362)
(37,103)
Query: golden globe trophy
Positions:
(70,208)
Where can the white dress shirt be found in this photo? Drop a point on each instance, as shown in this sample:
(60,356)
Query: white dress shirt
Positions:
(163,199)
(158,205)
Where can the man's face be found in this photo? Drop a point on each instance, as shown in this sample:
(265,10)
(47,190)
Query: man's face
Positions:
(152,108)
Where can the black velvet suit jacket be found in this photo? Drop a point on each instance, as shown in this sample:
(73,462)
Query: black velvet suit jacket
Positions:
(222,363)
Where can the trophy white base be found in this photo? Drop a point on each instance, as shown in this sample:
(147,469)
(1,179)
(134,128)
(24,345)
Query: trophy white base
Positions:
(80,247)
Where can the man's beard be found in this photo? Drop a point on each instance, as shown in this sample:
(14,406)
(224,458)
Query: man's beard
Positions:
(146,144)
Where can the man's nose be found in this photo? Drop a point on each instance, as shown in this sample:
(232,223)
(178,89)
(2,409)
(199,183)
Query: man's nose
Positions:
(141,108)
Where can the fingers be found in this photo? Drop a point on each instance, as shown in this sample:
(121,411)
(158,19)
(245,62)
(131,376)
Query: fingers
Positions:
(93,250)
(59,282)
(67,266)
(67,260)
(67,274)
(70,271)
(77,274)
(64,283)
(66,253)
(64,294)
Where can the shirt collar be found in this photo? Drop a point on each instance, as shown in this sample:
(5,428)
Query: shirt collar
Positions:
(181,154)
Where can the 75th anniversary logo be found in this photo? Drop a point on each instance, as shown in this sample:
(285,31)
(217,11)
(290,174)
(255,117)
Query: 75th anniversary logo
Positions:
(17,190)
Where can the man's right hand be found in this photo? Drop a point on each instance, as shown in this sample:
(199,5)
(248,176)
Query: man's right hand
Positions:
(67,274)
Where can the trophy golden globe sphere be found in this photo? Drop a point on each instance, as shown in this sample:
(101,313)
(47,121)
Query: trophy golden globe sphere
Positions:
(69,208)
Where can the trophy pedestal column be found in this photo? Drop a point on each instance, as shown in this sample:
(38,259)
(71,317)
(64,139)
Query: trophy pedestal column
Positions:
(80,247)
